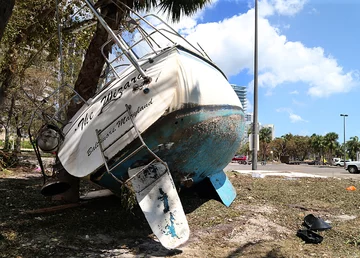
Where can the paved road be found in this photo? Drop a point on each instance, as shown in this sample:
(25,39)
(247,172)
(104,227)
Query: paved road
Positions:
(328,171)
(338,172)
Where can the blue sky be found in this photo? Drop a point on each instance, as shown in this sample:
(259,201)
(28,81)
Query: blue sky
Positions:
(309,62)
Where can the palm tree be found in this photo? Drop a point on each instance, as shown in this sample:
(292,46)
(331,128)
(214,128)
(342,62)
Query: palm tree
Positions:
(353,146)
(265,139)
(290,145)
(339,150)
(317,144)
(330,141)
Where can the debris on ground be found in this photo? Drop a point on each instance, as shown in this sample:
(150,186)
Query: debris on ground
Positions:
(259,223)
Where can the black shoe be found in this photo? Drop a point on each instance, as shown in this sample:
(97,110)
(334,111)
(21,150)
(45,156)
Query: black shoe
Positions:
(314,223)
(309,237)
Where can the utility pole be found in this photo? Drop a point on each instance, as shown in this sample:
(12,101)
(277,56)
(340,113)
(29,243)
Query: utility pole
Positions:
(344,115)
(255,121)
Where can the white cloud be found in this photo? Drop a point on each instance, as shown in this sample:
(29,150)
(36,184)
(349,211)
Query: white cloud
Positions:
(281,7)
(230,44)
(288,7)
(269,93)
(286,26)
(284,110)
(295,92)
(313,11)
(294,118)
(298,103)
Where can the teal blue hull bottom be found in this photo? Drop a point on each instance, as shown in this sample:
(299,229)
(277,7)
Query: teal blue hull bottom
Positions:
(195,142)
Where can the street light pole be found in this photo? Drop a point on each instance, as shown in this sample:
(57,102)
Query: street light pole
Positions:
(255,122)
(344,115)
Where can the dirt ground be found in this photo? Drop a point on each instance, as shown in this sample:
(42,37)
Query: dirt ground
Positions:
(261,222)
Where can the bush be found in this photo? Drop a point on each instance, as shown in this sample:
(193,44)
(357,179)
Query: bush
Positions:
(8,160)
(26,144)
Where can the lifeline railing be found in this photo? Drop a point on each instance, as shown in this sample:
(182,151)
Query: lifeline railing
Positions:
(141,26)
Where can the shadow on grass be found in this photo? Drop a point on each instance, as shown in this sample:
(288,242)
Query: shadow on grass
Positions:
(253,246)
(98,226)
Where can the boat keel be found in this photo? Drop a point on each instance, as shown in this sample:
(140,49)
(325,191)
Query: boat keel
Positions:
(158,199)
(223,187)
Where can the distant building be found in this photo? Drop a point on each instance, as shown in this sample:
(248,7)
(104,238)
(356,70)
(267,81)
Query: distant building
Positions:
(241,92)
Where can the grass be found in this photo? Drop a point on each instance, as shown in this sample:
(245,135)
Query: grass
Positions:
(291,200)
(261,222)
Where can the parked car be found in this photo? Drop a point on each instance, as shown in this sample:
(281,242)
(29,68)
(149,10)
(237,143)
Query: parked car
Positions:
(314,162)
(352,166)
(340,163)
(335,160)
(240,159)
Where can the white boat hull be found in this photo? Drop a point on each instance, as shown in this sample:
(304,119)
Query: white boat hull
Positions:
(179,79)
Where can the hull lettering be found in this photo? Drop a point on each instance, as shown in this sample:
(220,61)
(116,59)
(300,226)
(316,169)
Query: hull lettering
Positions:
(119,123)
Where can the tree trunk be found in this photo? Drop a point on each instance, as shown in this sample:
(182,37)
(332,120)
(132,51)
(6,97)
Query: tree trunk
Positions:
(7,146)
(7,139)
(17,145)
(94,61)
(8,73)
(6,7)
(86,85)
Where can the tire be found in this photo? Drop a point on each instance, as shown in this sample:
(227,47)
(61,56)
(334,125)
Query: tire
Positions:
(352,169)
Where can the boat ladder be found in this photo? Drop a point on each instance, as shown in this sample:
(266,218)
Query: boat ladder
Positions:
(151,165)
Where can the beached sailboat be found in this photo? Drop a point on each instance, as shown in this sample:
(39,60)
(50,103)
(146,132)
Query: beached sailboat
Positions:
(165,117)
